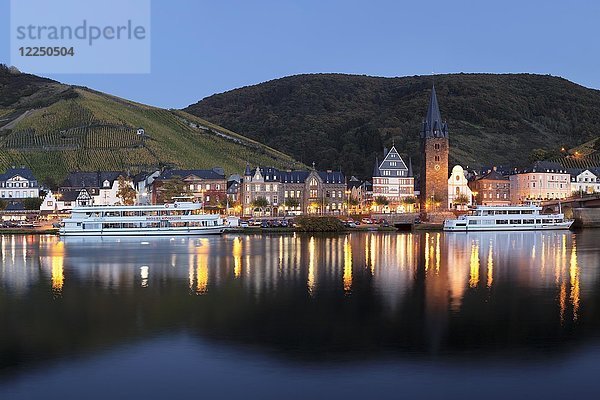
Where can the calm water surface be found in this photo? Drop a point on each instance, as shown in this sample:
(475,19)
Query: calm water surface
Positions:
(365,315)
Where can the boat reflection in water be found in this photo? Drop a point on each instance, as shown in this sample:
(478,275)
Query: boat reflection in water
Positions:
(314,298)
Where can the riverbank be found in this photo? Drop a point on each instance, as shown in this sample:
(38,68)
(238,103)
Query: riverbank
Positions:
(255,230)
(25,231)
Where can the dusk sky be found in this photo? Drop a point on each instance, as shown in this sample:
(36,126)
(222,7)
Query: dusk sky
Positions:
(200,48)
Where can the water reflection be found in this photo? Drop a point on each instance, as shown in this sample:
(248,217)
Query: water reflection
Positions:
(430,292)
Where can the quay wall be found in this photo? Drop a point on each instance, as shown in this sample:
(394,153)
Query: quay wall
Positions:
(586,217)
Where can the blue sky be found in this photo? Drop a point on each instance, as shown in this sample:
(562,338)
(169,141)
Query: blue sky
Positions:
(200,48)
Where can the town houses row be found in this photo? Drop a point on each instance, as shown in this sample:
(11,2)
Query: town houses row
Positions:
(269,191)
(265,190)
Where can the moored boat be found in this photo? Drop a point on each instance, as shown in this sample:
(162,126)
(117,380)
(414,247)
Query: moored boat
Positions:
(507,218)
(180,218)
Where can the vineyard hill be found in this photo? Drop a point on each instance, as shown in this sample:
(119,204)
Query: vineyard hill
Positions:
(54,128)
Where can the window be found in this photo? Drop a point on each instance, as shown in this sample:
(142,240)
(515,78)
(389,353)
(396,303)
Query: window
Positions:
(436,146)
(207,186)
(437,158)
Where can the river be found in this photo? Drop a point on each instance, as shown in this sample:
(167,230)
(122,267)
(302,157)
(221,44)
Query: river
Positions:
(360,315)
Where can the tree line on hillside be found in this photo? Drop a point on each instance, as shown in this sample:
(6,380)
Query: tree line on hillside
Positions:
(344,122)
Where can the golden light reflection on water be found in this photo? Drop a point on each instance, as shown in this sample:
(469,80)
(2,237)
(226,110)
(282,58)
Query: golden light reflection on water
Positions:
(574,279)
(57,273)
(490,265)
(198,260)
(237,256)
(474,265)
(438,253)
(201,273)
(311,265)
(447,265)
(347,265)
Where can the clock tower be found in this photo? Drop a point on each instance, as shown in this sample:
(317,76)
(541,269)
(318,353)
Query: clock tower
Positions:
(434,162)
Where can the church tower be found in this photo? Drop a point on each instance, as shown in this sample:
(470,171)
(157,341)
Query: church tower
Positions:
(434,153)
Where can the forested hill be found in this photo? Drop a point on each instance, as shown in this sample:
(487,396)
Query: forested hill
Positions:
(344,121)
(55,128)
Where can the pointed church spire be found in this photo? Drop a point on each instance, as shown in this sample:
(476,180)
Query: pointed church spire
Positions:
(433,125)
(248,171)
(376,167)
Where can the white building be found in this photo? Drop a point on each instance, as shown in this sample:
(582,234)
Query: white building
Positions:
(458,185)
(18,183)
(544,181)
(585,181)
(142,183)
(101,186)
(65,201)
(394,180)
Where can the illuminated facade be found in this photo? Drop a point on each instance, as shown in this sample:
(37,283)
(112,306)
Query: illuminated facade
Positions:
(393,179)
(491,189)
(585,181)
(293,192)
(459,193)
(18,183)
(544,181)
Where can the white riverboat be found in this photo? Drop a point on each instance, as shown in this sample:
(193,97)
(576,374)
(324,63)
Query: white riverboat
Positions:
(507,218)
(180,218)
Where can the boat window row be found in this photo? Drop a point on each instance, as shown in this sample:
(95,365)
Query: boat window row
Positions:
(515,221)
(506,212)
(146,225)
(141,213)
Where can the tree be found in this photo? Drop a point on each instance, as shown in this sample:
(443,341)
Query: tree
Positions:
(353,201)
(173,187)
(409,200)
(461,199)
(126,193)
(260,202)
(292,203)
(3,204)
(32,203)
(381,201)
(50,183)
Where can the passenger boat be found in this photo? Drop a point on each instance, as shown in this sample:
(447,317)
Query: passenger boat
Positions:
(507,218)
(180,218)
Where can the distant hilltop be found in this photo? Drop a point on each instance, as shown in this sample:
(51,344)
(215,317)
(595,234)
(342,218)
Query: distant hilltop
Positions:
(345,121)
